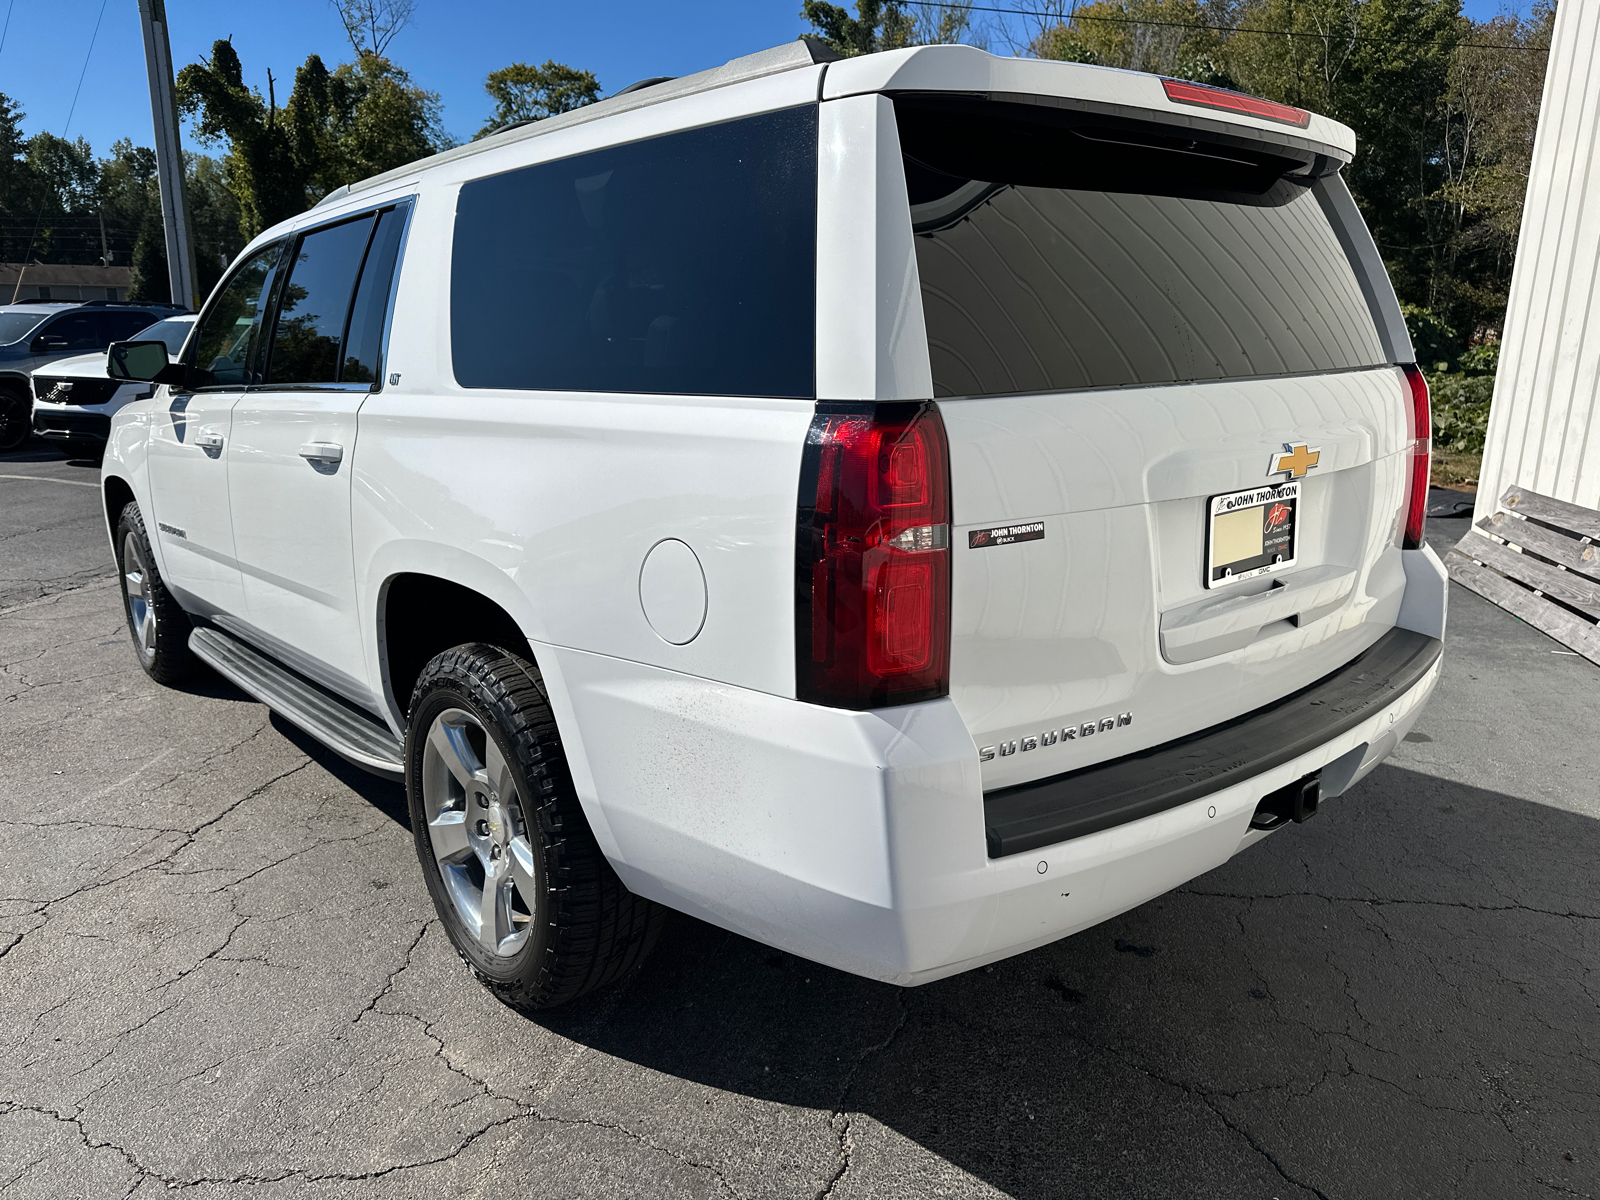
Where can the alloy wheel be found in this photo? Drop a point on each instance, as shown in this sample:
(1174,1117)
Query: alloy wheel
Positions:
(141,606)
(479,832)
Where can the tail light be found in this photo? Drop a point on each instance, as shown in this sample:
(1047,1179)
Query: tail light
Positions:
(872,603)
(1421,456)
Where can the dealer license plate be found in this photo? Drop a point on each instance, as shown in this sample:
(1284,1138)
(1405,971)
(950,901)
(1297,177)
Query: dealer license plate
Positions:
(1251,533)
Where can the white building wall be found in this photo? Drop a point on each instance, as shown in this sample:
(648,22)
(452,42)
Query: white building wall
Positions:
(1544,423)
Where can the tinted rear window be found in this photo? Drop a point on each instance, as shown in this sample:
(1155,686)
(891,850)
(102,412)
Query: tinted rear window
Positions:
(1060,252)
(682,264)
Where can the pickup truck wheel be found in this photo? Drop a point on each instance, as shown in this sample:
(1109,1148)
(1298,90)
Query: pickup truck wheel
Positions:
(518,880)
(16,417)
(160,628)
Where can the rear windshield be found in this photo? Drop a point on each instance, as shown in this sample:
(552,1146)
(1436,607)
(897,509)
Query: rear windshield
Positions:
(1058,251)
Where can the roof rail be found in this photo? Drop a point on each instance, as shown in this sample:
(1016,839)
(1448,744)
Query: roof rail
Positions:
(130,304)
(641,85)
(791,56)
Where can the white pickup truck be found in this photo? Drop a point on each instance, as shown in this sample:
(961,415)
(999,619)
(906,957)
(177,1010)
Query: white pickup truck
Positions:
(905,510)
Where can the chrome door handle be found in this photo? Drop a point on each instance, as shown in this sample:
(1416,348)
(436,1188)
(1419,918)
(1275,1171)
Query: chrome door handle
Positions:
(328,452)
(208,440)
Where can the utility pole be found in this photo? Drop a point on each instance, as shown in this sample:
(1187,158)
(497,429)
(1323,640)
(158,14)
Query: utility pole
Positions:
(169,154)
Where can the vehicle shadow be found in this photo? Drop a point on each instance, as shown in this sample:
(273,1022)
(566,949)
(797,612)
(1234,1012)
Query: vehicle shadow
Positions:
(1360,1005)
(39,450)
(386,796)
(1391,1000)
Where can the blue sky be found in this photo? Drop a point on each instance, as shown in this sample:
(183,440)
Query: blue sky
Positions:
(449,49)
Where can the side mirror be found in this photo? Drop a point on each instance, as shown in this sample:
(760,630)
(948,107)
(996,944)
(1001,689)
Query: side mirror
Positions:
(143,362)
(48,343)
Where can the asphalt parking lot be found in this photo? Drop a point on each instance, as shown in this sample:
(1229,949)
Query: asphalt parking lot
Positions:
(220,975)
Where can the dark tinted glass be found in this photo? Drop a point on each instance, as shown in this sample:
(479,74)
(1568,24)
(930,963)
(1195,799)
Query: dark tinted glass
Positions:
(83,331)
(681,264)
(127,324)
(364,343)
(222,349)
(309,335)
(1058,251)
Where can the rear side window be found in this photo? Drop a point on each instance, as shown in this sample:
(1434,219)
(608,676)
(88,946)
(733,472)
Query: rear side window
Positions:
(1058,252)
(363,345)
(92,330)
(683,264)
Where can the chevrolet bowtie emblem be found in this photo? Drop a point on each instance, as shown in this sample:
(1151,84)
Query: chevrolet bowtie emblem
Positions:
(1295,461)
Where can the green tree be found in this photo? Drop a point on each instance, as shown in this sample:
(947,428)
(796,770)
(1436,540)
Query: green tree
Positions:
(527,93)
(213,217)
(1167,37)
(1382,67)
(877,25)
(376,120)
(265,167)
(337,127)
(19,191)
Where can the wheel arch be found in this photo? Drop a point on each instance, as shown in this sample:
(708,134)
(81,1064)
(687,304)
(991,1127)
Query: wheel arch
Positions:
(421,615)
(116,493)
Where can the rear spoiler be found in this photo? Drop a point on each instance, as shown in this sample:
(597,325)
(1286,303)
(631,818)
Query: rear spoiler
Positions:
(1078,86)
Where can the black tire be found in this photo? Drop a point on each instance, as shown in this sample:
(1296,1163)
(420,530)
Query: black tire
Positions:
(16,417)
(580,929)
(162,644)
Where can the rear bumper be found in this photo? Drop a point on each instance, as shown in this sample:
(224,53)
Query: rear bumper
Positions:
(858,840)
(1108,794)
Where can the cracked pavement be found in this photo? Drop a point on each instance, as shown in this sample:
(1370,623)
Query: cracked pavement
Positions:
(220,975)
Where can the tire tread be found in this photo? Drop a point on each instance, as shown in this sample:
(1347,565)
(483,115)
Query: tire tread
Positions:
(599,930)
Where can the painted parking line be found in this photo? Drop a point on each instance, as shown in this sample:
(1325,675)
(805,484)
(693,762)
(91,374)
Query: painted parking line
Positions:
(47,479)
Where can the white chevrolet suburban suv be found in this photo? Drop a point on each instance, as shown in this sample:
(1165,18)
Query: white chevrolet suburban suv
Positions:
(904,510)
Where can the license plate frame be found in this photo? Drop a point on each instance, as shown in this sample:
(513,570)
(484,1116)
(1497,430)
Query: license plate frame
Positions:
(1279,507)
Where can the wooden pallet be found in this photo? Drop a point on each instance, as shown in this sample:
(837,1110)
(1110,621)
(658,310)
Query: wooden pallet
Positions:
(1537,558)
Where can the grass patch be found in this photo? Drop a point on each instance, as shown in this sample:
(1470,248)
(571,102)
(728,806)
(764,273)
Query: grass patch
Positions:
(1456,469)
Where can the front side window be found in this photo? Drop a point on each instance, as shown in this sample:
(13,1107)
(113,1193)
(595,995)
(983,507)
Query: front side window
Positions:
(315,303)
(224,345)
(1058,251)
(681,264)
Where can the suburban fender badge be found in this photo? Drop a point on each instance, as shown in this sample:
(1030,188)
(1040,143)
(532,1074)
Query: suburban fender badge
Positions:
(1004,535)
(1295,461)
(1054,737)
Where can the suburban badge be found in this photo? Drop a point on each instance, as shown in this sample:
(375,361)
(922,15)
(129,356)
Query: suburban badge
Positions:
(1054,737)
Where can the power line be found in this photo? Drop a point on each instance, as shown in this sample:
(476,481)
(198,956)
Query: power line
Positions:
(7,28)
(88,54)
(1075,15)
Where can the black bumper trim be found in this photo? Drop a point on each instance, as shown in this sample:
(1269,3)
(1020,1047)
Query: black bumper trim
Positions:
(1046,811)
(65,426)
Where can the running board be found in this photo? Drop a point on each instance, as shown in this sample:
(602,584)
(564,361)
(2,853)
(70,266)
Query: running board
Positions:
(347,732)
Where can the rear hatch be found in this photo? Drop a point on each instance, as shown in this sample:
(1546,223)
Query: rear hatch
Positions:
(1134,332)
